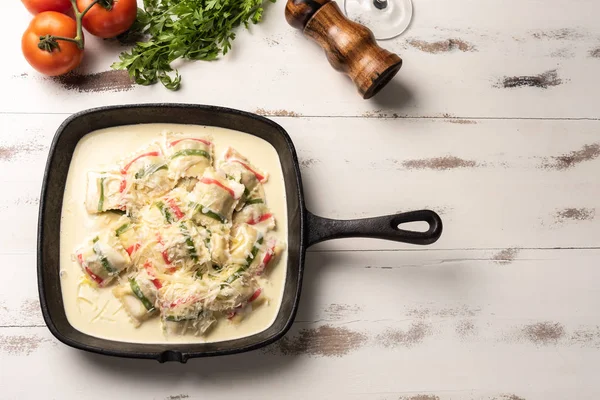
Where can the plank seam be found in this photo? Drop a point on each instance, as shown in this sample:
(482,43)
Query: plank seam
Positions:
(375,116)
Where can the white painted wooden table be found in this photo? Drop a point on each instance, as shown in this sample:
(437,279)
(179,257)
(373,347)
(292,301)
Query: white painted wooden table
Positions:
(505,306)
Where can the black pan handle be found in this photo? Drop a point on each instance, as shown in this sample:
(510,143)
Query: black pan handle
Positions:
(386,227)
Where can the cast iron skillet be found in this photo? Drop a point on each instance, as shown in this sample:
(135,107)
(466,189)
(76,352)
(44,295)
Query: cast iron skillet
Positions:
(305,229)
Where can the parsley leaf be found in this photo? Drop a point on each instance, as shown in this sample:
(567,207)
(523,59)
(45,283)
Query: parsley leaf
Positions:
(186,29)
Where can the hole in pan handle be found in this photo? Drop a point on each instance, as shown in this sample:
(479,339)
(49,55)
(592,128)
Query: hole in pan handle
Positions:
(386,227)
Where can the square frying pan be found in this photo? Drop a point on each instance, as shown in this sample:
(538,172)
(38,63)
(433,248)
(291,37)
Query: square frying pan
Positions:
(304,228)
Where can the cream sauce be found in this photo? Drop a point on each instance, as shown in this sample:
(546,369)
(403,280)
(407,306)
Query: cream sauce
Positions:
(103,316)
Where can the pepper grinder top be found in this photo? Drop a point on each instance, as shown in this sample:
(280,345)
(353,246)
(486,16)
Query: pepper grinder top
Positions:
(349,46)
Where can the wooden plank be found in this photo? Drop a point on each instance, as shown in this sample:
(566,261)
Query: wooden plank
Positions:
(408,325)
(468,283)
(350,286)
(497,184)
(459,56)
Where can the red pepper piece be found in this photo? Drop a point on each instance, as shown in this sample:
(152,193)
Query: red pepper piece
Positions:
(95,277)
(260,177)
(175,208)
(150,270)
(182,301)
(206,142)
(126,168)
(255,295)
(150,154)
(262,218)
(132,249)
(164,253)
(209,181)
(266,260)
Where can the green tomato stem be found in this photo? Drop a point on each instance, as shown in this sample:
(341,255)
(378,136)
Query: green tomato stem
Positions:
(49,42)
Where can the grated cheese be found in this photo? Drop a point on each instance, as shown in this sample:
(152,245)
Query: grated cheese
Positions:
(191,247)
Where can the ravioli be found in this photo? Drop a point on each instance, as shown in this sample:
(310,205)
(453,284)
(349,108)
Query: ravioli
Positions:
(104,192)
(214,198)
(102,258)
(195,239)
(239,169)
(138,295)
(188,156)
(146,175)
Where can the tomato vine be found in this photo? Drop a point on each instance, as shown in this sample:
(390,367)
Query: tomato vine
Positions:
(49,43)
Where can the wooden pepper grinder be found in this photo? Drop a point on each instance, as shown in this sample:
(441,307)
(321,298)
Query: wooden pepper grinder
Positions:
(350,47)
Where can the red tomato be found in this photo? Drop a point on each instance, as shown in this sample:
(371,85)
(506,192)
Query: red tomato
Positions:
(64,56)
(108,18)
(38,6)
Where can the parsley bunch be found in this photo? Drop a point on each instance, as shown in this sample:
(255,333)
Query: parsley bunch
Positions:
(187,29)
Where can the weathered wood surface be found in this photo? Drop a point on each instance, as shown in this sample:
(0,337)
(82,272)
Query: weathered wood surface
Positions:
(452,324)
(496,183)
(462,58)
(493,122)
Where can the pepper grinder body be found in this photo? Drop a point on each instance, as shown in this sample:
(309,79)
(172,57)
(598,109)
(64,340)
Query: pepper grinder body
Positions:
(350,47)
